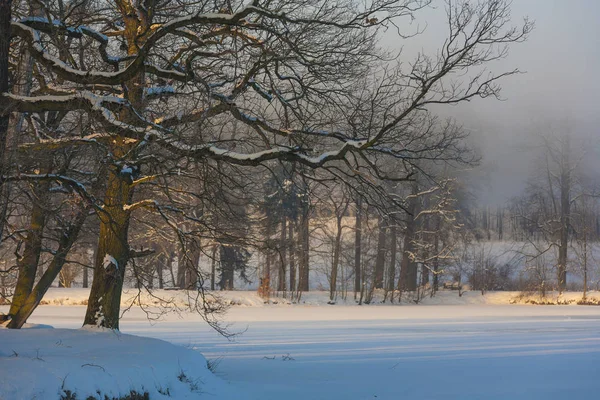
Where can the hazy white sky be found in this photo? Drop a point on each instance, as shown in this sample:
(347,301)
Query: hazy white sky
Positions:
(560,88)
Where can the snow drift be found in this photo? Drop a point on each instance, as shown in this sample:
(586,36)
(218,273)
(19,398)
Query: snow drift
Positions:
(57,363)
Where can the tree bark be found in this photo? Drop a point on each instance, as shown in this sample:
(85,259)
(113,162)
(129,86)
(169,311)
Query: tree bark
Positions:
(436,250)
(5,19)
(181,268)
(358,247)
(304,250)
(112,256)
(381,254)
(113,246)
(192,259)
(86,273)
(408,268)
(27,264)
(336,255)
(292,257)
(227,267)
(282,256)
(392,269)
(161,260)
(35,296)
(565,215)
(213,269)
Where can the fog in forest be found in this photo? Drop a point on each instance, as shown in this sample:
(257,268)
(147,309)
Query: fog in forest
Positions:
(553,95)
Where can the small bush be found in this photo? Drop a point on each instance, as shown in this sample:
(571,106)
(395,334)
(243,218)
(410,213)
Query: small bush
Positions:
(588,301)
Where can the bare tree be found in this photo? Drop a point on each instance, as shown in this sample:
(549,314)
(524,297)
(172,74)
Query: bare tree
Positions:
(242,84)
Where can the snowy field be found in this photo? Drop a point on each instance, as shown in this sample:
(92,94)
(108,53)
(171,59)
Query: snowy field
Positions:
(387,352)
(182,298)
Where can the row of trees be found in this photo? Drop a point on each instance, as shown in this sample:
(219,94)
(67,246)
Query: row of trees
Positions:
(130,127)
(553,226)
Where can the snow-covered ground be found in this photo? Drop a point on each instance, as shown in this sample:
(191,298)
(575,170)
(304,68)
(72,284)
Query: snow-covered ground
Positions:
(182,298)
(476,351)
(46,363)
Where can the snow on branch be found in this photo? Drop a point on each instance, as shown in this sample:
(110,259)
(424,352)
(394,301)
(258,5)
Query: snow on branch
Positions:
(29,29)
(43,25)
(74,184)
(149,131)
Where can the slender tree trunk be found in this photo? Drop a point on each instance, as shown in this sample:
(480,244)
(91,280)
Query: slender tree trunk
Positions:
(500,223)
(192,260)
(408,268)
(436,250)
(227,267)
(159,269)
(213,269)
(170,265)
(282,256)
(5,19)
(426,237)
(181,268)
(66,242)
(585,263)
(265,283)
(381,254)
(27,264)
(565,215)
(10,126)
(392,268)
(86,272)
(358,247)
(292,257)
(304,251)
(336,256)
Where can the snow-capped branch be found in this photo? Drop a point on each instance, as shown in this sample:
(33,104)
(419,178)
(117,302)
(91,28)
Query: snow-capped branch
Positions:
(27,31)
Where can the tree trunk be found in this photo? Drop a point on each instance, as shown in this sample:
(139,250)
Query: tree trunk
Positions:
(10,127)
(408,268)
(227,267)
(265,284)
(181,268)
(282,256)
(565,215)
(292,245)
(426,237)
(585,263)
(336,257)
(213,269)
(392,268)
(27,264)
(86,272)
(500,223)
(170,265)
(66,242)
(113,246)
(304,250)
(436,250)
(5,19)
(381,253)
(161,259)
(358,247)
(112,255)
(192,260)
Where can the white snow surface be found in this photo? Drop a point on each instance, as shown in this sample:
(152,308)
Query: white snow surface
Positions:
(108,261)
(299,352)
(181,298)
(46,363)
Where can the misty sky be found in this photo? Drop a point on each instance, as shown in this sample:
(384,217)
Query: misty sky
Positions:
(560,89)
